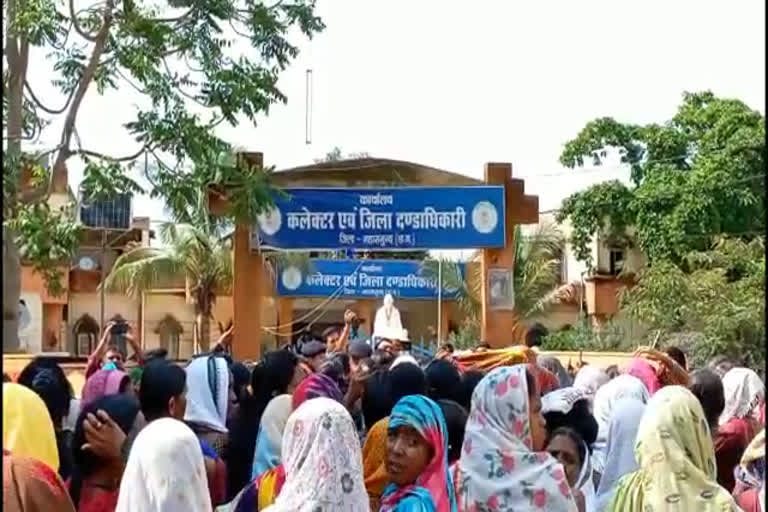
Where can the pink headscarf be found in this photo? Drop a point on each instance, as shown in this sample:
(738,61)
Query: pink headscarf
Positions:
(643,370)
(103,383)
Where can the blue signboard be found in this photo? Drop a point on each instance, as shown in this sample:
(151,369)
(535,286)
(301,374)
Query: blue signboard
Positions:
(359,279)
(385,219)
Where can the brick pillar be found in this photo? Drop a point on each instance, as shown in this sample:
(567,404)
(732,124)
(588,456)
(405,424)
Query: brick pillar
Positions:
(502,328)
(246,297)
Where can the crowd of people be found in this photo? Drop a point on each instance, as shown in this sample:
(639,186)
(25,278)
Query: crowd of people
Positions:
(344,424)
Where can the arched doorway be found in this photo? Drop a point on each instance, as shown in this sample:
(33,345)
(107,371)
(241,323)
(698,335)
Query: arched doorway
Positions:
(169,329)
(86,331)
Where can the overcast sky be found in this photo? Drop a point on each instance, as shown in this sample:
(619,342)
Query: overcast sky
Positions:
(456,84)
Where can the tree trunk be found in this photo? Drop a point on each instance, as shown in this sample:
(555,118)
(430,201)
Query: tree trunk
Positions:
(11,293)
(203,324)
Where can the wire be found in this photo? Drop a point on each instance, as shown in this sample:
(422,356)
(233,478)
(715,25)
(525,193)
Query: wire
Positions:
(333,296)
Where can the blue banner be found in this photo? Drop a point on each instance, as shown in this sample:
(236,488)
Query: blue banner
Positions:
(385,219)
(356,279)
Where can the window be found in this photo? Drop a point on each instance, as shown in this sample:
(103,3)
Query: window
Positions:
(616,261)
(86,332)
(170,331)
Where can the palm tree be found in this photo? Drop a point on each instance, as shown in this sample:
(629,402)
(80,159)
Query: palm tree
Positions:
(536,275)
(190,252)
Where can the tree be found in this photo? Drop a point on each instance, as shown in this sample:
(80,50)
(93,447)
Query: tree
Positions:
(536,276)
(189,252)
(699,174)
(181,59)
(716,296)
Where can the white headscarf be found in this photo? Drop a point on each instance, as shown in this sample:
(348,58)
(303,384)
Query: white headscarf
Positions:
(498,468)
(562,400)
(404,358)
(744,391)
(267,454)
(322,460)
(590,379)
(165,471)
(585,483)
(623,386)
(620,452)
(204,375)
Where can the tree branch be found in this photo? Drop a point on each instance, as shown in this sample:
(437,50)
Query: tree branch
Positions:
(172,20)
(76,24)
(102,156)
(82,88)
(43,107)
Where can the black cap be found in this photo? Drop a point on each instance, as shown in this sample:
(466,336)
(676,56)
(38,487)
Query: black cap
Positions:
(312,348)
(359,349)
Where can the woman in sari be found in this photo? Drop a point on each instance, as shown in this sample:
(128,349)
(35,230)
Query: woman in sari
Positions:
(554,365)
(567,446)
(676,459)
(323,464)
(750,477)
(95,481)
(375,462)
(46,378)
(27,427)
(590,379)
(503,464)
(620,448)
(268,483)
(270,439)
(739,423)
(278,373)
(568,408)
(315,386)
(623,386)
(208,394)
(31,486)
(103,383)
(417,459)
(165,471)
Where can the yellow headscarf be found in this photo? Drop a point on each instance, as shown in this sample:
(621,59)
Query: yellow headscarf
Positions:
(676,457)
(374,460)
(27,426)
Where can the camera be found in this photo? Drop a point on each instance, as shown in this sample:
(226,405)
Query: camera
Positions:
(120,328)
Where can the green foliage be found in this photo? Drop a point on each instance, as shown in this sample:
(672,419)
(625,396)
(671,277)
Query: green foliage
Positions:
(536,273)
(46,238)
(104,180)
(699,174)
(582,337)
(718,293)
(186,62)
(188,252)
(467,335)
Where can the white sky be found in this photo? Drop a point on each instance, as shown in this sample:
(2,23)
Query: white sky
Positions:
(456,84)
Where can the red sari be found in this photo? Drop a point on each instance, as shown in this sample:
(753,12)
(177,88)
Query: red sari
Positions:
(96,499)
(31,486)
(732,439)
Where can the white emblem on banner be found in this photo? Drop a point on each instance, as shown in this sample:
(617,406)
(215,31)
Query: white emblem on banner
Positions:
(291,278)
(270,221)
(484,217)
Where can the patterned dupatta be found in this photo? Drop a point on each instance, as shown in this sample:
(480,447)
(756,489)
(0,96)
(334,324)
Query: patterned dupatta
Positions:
(498,469)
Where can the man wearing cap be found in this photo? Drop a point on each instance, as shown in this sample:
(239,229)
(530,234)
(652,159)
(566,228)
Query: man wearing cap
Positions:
(314,352)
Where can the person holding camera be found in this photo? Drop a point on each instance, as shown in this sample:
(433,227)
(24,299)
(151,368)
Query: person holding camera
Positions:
(107,352)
